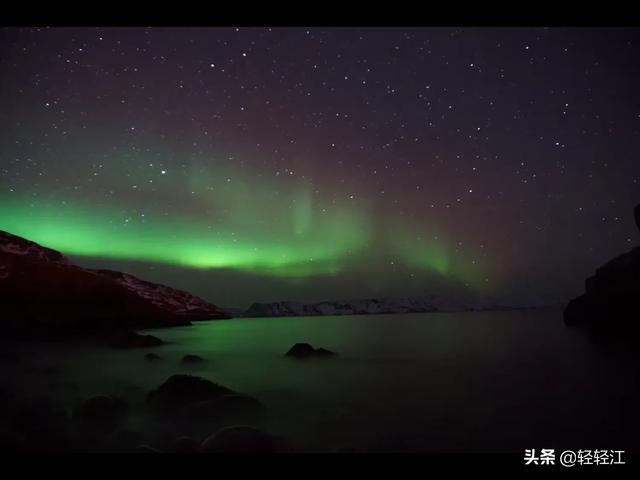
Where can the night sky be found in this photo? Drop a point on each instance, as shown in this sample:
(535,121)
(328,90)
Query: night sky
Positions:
(262,164)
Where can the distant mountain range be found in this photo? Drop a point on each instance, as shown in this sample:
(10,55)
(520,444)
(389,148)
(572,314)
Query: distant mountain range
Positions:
(367,306)
(41,289)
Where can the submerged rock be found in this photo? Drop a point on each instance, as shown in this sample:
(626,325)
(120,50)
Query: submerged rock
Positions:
(152,356)
(301,350)
(101,414)
(180,391)
(304,350)
(240,439)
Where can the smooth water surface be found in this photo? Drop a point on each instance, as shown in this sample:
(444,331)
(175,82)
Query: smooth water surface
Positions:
(464,382)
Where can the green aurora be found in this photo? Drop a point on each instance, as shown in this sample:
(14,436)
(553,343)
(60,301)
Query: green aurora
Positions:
(229,221)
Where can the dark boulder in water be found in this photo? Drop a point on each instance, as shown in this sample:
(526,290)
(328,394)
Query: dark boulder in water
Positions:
(180,391)
(611,302)
(152,356)
(304,350)
(240,439)
(101,414)
(301,350)
(191,359)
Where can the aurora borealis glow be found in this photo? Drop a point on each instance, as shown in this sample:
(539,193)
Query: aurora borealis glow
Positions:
(315,162)
(295,243)
(293,235)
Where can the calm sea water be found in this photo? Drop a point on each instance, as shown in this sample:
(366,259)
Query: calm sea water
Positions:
(452,382)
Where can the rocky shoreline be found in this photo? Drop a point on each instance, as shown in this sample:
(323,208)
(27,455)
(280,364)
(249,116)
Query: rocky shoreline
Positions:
(608,308)
(43,294)
(183,414)
(182,404)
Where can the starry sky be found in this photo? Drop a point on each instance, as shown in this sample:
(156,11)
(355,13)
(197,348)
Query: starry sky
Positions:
(261,164)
